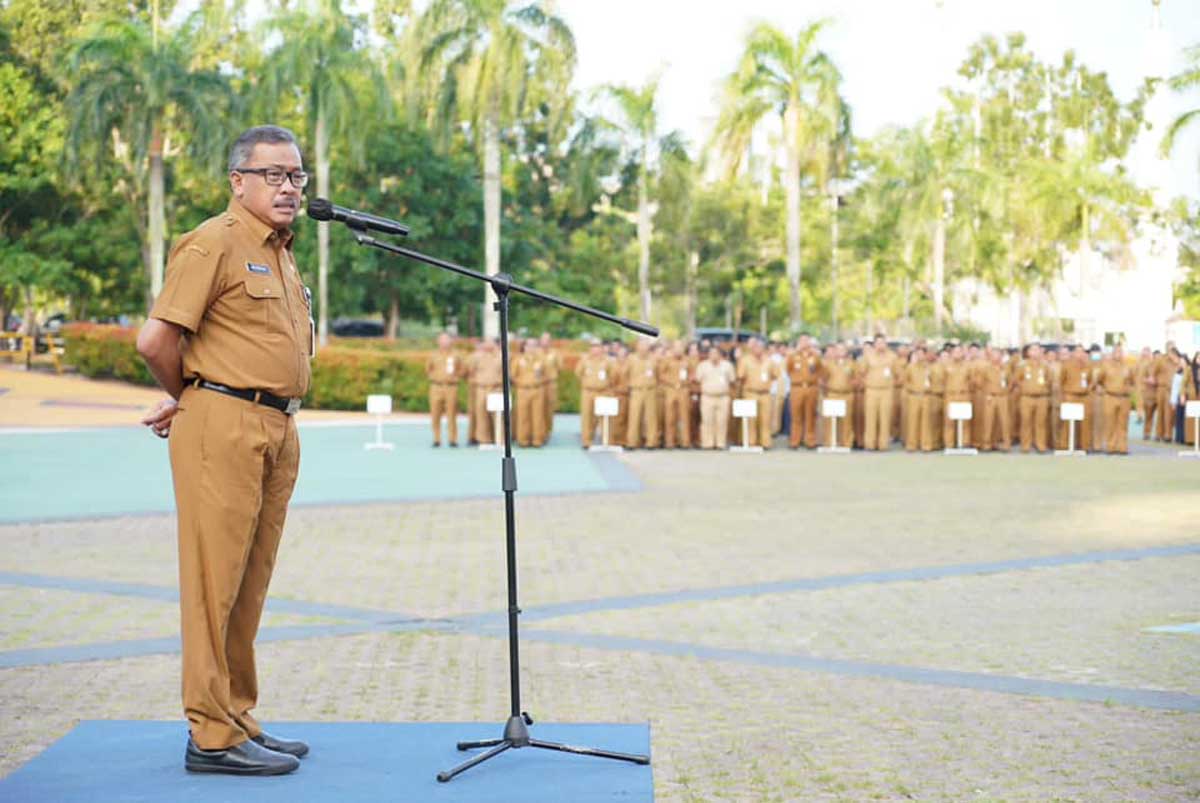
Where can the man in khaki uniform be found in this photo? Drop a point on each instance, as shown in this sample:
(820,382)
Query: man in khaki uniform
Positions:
(994,382)
(1035,400)
(1146,391)
(487,377)
(620,389)
(755,372)
(1054,364)
(675,380)
(1164,373)
(230,338)
(716,377)
(529,378)
(916,380)
(958,389)
(595,372)
(1077,387)
(552,363)
(805,371)
(935,402)
(879,368)
(693,360)
(840,375)
(469,363)
(1117,380)
(642,370)
(899,366)
(443,369)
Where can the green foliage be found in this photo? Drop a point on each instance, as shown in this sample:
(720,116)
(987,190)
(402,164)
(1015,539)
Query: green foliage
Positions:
(108,352)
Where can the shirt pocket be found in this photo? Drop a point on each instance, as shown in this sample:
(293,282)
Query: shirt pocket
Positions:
(264,301)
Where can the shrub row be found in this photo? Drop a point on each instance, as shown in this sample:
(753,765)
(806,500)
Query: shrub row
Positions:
(342,378)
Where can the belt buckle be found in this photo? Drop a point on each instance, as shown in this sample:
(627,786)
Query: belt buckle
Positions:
(293,406)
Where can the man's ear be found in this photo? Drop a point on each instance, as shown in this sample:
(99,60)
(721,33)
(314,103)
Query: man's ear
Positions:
(236,182)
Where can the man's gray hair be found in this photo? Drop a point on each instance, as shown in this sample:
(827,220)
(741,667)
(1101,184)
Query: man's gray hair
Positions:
(268,134)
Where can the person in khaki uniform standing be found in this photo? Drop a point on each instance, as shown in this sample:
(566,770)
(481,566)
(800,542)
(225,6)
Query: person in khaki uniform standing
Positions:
(552,363)
(716,377)
(1117,379)
(805,371)
(1164,374)
(841,375)
(529,378)
(620,389)
(1077,378)
(443,369)
(469,364)
(642,370)
(916,380)
(755,373)
(693,360)
(1146,391)
(935,402)
(487,377)
(675,380)
(1035,400)
(958,389)
(230,339)
(595,372)
(997,426)
(879,370)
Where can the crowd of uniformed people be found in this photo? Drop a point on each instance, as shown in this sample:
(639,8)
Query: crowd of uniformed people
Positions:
(673,394)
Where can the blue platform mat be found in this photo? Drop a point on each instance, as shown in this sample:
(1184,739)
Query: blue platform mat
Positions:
(125,761)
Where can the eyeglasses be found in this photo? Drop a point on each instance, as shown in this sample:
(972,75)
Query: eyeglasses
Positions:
(274,176)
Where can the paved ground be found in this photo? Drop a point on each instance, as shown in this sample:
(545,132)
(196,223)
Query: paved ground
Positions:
(793,626)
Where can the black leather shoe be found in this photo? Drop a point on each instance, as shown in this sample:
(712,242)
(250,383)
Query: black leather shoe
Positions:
(247,758)
(288,746)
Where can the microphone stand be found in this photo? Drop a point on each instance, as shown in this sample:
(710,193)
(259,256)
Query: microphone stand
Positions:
(516,730)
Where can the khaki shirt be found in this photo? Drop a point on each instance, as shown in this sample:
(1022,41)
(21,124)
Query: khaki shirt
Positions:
(595,374)
(937,379)
(642,372)
(674,373)
(444,367)
(528,370)
(232,284)
(804,368)
(958,379)
(551,363)
(916,376)
(879,370)
(756,374)
(993,379)
(1077,379)
(715,380)
(1034,378)
(839,376)
(1116,377)
(488,371)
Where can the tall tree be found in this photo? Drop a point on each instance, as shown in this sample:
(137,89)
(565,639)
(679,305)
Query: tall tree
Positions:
(791,77)
(322,67)
(137,97)
(1186,80)
(496,60)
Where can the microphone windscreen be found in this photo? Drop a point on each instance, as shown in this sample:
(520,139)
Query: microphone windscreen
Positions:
(320,209)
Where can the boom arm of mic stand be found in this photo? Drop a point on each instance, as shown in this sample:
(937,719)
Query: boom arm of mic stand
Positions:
(503,283)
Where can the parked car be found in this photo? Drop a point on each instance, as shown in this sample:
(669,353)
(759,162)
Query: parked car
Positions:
(357,327)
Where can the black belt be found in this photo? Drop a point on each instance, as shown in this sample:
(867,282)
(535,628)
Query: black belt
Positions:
(280,403)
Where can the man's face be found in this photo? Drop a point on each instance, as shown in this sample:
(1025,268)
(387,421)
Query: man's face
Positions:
(1035,352)
(595,351)
(713,354)
(275,206)
(880,345)
(443,341)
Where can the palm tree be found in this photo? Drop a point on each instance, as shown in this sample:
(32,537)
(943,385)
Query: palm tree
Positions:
(791,77)
(321,65)
(496,61)
(1185,80)
(639,122)
(135,92)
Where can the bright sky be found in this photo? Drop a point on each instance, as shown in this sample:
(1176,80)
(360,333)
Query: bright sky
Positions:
(895,55)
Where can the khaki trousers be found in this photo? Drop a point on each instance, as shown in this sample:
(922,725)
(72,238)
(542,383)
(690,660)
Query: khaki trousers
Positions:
(845,425)
(932,411)
(950,428)
(1083,429)
(1116,416)
(484,421)
(1148,401)
(913,407)
(588,421)
(997,428)
(677,418)
(443,401)
(758,429)
(234,464)
(551,405)
(620,422)
(1166,414)
(878,419)
(714,422)
(642,411)
(803,405)
(1033,422)
(531,415)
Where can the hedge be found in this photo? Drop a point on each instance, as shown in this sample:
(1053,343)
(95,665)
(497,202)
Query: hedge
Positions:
(342,378)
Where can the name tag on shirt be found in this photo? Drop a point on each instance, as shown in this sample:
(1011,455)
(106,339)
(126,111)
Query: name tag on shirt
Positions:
(887,373)
(450,365)
(603,374)
(254,267)
(683,374)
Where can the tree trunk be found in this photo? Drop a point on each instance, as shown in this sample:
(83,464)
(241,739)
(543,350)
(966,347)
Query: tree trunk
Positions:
(939,270)
(644,232)
(393,324)
(491,221)
(1085,248)
(156,224)
(322,143)
(791,134)
(833,257)
(690,279)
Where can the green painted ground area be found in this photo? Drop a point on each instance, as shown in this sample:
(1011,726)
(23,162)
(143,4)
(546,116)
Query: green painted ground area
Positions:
(121,471)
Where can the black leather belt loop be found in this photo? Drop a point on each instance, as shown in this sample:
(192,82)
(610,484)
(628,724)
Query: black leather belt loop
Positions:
(283,405)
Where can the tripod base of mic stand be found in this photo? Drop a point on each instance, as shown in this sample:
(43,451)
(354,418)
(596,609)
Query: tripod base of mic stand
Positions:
(516,735)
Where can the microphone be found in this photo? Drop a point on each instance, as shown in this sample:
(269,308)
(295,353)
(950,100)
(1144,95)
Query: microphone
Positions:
(322,209)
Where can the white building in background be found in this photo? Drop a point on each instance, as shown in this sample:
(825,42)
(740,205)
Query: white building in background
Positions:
(1098,298)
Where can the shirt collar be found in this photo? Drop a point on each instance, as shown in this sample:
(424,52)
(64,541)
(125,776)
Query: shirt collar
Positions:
(261,232)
